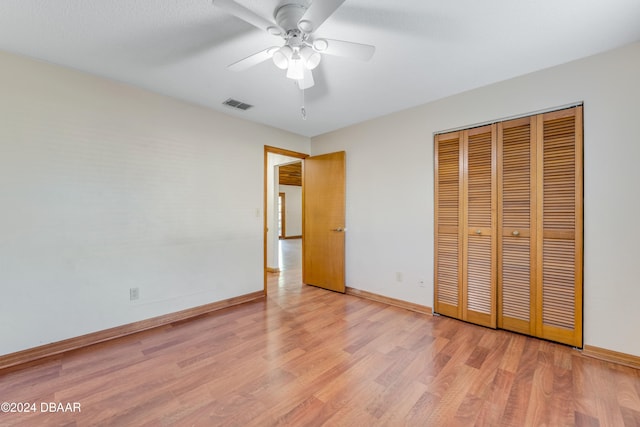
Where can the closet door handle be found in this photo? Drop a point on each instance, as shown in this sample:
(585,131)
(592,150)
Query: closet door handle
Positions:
(478,231)
(516,233)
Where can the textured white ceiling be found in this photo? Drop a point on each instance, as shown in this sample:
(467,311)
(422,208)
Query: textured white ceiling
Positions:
(425,49)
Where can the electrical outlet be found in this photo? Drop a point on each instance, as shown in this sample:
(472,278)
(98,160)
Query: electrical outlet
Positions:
(134,294)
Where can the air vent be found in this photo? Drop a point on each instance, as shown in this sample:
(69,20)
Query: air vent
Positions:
(237,104)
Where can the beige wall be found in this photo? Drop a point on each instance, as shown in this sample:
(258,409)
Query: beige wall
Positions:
(390,186)
(105,187)
(293,209)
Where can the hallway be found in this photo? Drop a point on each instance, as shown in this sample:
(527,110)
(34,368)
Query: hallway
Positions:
(290,254)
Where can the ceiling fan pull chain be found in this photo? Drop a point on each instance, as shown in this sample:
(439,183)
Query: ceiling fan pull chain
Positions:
(303,110)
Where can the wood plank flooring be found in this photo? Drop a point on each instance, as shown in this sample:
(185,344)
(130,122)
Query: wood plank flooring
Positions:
(309,357)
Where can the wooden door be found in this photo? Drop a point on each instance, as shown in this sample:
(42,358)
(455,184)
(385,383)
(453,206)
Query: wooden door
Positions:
(517,225)
(540,223)
(479,225)
(559,198)
(323,221)
(448,229)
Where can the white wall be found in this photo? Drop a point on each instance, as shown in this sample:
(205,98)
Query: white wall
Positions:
(390,186)
(104,187)
(293,209)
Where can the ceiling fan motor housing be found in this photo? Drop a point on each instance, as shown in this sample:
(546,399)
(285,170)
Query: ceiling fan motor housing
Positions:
(288,16)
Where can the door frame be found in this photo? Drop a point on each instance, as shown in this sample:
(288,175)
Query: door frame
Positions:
(273,150)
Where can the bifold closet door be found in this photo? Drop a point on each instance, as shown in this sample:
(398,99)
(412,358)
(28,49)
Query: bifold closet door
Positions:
(540,226)
(508,235)
(448,230)
(479,224)
(465,233)
(560,225)
(517,225)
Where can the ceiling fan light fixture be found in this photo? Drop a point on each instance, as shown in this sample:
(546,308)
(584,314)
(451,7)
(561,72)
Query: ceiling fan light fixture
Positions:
(320,45)
(296,67)
(282,56)
(310,57)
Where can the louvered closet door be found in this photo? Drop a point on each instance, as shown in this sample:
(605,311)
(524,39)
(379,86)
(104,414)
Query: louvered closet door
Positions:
(479,244)
(560,205)
(448,242)
(517,219)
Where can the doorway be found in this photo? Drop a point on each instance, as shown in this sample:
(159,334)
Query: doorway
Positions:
(323,217)
(276,249)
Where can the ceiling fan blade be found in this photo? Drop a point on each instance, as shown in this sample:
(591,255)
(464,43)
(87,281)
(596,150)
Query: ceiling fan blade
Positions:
(360,51)
(307,81)
(252,60)
(317,13)
(248,16)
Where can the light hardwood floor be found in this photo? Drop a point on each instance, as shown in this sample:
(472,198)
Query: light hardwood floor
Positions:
(309,357)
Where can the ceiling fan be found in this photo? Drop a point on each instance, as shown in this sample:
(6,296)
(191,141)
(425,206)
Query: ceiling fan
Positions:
(296,24)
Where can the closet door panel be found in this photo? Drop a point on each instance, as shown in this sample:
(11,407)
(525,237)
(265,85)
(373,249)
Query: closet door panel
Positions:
(561,198)
(558,277)
(515,313)
(516,246)
(479,274)
(448,241)
(480,300)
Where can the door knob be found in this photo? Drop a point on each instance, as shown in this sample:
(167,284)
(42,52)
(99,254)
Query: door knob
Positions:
(339,229)
(478,231)
(516,233)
